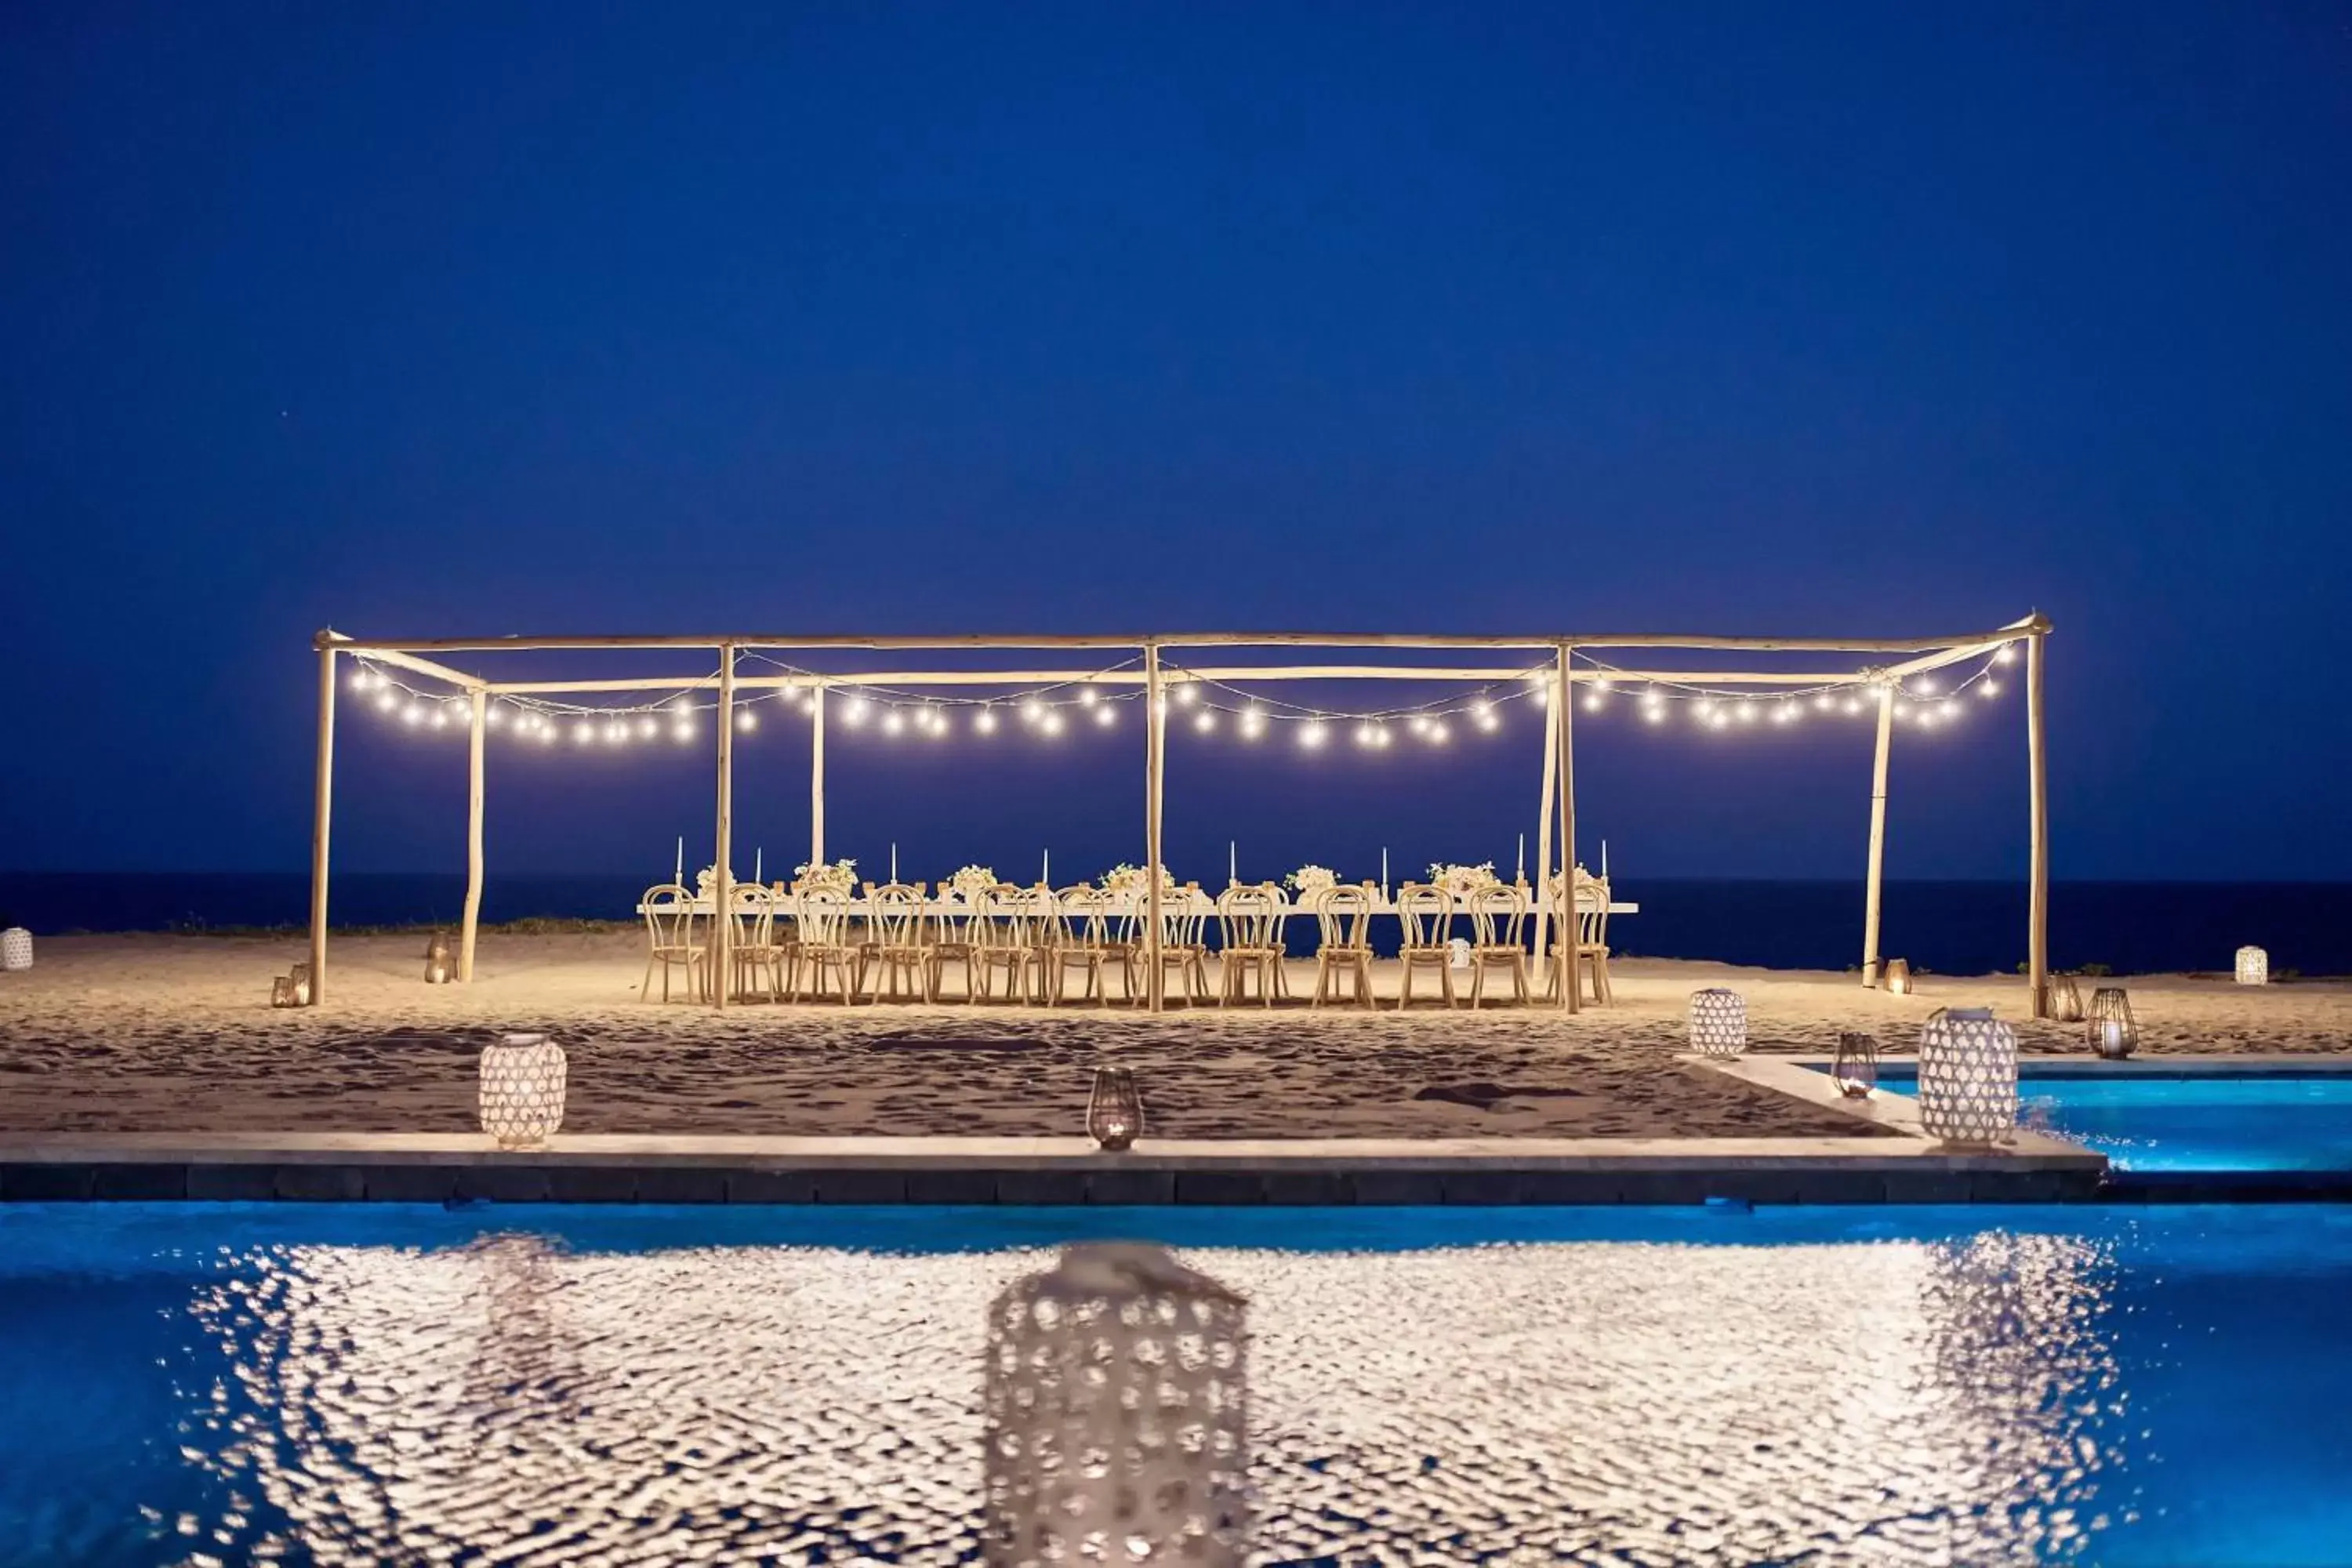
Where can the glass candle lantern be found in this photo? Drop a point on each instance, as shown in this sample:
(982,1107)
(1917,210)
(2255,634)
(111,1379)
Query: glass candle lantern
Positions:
(282,991)
(440,961)
(522,1087)
(2113,1032)
(2253,966)
(1968,1076)
(1115,1108)
(1114,1402)
(1718,1022)
(2064,999)
(1854,1068)
(1897,978)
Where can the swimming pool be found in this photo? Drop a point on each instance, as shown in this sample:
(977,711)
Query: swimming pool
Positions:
(2207,1120)
(222,1383)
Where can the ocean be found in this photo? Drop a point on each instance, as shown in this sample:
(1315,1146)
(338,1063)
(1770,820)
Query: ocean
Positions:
(1951,928)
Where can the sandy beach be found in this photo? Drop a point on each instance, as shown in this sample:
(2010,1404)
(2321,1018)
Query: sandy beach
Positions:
(174,1033)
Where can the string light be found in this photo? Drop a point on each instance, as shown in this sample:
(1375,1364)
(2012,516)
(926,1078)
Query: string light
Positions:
(2007,654)
(893,722)
(1088,697)
(985,720)
(1253,722)
(413,714)
(1030,709)
(1313,734)
(1187,695)
(1747,712)
(854,713)
(745,720)
(1439,734)
(1105,715)
(1989,688)
(387,701)
(645,725)
(1205,720)
(1053,722)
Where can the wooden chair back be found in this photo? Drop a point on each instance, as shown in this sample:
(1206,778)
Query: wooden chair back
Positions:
(669,916)
(752,908)
(1498,915)
(1343,918)
(894,914)
(1425,916)
(1250,915)
(1592,911)
(1083,913)
(1183,917)
(823,916)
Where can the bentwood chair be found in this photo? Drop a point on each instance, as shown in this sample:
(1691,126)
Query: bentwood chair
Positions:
(1183,940)
(1590,953)
(893,951)
(1121,940)
(1343,931)
(825,948)
(1249,932)
(1425,916)
(758,955)
(951,941)
(1498,921)
(1001,940)
(1075,936)
(670,941)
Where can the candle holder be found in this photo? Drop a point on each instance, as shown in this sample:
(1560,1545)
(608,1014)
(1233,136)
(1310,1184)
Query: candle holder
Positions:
(522,1090)
(440,961)
(1854,1068)
(2113,1032)
(282,991)
(1115,1108)
(1115,1402)
(15,948)
(1896,978)
(2064,999)
(300,975)
(2253,966)
(1718,1022)
(1968,1076)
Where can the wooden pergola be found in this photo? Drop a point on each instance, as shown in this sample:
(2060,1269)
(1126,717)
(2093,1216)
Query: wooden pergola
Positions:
(1549,660)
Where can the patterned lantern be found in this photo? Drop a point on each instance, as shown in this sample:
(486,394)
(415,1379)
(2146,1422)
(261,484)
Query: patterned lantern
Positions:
(1115,1110)
(2253,966)
(300,975)
(2113,1033)
(1854,1068)
(16,948)
(282,991)
(440,963)
(1116,1400)
(522,1090)
(1898,976)
(1718,1022)
(2064,1000)
(1968,1076)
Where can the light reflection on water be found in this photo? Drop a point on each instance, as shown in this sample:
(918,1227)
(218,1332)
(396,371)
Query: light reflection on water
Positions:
(1890,1402)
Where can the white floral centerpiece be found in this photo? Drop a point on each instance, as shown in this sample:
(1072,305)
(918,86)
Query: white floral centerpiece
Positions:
(1125,878)
(840,876)
(1460,881)
(970,881)
(1308,880)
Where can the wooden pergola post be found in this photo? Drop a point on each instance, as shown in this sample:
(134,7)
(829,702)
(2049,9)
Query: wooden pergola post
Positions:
(2037,901)
(1543,831)
(472,925)
(322,800)
(816,781)
(722,902)
(1571,988)
(1871,886)
(1155,750)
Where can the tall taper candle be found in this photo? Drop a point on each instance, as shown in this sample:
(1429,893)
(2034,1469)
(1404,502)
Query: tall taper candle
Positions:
(758,866)
(1046,869)
(893,859)
(1233,862)
(678,876)
(1384,870)
(1523,857)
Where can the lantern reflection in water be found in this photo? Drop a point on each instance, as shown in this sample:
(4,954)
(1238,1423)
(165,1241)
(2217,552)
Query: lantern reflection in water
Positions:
(727,1402)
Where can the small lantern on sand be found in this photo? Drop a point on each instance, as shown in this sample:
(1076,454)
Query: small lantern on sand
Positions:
(300,975)
(2253,966)
(522,1090)
(1968,1076)
(15,948)
(1718,1022)
(2064,999)
(1897,980)
(440,961)
(282,991)
(2113,1033)
(1115,1110)
(1115,1395)
(1854,1068)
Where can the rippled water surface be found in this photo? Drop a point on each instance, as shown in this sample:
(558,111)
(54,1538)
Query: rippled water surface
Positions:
(192,1384)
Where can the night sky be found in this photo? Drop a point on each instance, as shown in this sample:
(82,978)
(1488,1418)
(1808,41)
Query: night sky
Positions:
(1740,318)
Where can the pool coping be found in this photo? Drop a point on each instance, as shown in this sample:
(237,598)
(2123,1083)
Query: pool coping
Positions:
(2173,1064)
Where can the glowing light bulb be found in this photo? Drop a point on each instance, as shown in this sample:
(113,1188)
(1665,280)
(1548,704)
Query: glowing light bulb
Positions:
(1052,722)
(1924,686)
(936,721)
(1824,702)
(386,702)
(1420,724)
(547,734)
(495,714)
(1747,712)
(1253,724)
(615,732)
(1853,704)
(745,720)
(1595,702)
(1311,734)
(1380,735)
(2007,654)
(1030,709)
(440,718)
(856,712)
(359,681)
(1363,734)
(1482,708)
(1654,712)
(984,720)
(1439,734)
(893,722)
(681,732)
(1205,720)
(1717,720)
(1187,694)
(1543,696)
(413,714)
(1105,715)
(1988,688)
(1902,711)
(583,730)
(1707,708)
(1088,697)
(645,725)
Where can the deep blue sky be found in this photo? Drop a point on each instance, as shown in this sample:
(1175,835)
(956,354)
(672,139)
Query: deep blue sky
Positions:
(1711,317)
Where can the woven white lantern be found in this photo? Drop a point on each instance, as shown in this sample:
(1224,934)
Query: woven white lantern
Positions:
(1968,1076)
(2253,966)
(1718,1022)
(522,1090)
(16,948)
(1116,1398)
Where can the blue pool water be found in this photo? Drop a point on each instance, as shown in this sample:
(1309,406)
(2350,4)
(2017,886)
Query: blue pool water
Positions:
(2215,1122)
(2131,1386)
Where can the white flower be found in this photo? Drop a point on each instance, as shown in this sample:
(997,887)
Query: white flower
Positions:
(840,876)
(970,881)
(1312,879)
(1461,880)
